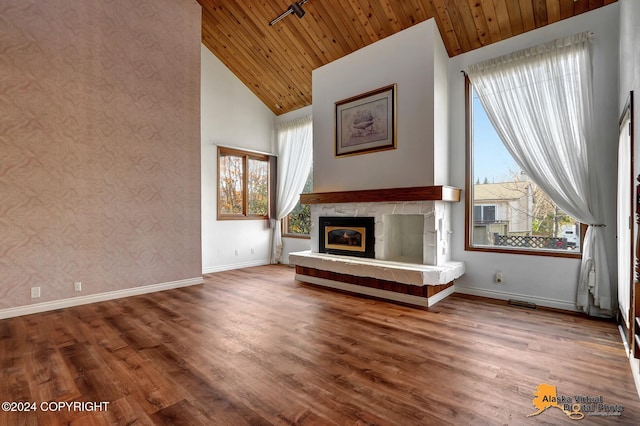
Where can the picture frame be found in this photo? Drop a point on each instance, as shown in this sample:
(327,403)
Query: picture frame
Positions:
(366,123)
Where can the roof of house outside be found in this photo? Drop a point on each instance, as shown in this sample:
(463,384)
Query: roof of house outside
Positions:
(502,191)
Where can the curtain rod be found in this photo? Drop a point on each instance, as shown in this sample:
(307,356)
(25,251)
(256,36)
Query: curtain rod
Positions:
(253,151)
(591,36)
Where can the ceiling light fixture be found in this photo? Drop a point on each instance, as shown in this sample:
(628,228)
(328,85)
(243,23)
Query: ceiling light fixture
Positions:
(295,8)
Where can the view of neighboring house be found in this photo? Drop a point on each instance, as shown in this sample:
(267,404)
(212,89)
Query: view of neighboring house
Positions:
(505,208)
(517,209)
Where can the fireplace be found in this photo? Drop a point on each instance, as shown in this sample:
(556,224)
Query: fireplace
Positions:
(409,228)
(347,236)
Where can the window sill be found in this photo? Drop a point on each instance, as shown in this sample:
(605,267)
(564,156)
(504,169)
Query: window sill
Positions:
(242,217)
(298,236)
(548,253)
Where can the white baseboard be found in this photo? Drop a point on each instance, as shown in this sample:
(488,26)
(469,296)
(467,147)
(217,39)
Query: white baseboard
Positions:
(93,298)
(502,295)
(635,372)
(442,295)
(220,268)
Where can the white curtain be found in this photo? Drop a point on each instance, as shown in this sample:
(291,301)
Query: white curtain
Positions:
(540,102)
(295,154)
(625,215)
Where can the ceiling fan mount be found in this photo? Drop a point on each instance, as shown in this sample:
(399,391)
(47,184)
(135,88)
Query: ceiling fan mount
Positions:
(295,8)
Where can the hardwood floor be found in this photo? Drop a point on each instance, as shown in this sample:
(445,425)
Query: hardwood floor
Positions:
(256,347)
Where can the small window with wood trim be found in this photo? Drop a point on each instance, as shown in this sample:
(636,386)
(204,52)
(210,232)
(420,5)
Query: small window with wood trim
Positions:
(243,184)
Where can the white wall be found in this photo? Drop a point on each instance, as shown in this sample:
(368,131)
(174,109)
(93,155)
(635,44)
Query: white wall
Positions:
(545,281)
(231,116)
(630,80)
(406,58)
(440,113)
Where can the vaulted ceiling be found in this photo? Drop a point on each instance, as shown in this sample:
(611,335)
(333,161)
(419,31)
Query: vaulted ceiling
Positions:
(275,62)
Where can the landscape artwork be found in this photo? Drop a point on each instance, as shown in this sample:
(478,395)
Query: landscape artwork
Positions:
(366,123)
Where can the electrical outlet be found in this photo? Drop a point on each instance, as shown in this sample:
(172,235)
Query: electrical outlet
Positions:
(253,251)
(237,252)
(35,292)
(499,277)
(77,286)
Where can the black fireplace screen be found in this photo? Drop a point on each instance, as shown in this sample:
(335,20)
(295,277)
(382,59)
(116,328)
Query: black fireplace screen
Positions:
(350,236)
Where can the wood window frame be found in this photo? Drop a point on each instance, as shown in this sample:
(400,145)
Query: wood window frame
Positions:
(285,228)
(468,234)
(246,155)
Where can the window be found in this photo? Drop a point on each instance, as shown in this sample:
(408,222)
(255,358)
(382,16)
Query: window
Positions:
(298,222)
(483,213)
(507,211)
(243,184)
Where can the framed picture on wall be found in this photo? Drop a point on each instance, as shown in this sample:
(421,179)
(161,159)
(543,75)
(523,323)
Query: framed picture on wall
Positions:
(367,122)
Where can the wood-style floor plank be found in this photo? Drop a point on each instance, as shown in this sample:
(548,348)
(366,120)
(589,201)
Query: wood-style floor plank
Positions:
(256,347)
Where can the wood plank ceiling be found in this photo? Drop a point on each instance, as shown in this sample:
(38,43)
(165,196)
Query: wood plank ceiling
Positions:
(275,62)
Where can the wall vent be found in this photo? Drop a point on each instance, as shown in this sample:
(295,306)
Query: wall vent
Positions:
(522,304)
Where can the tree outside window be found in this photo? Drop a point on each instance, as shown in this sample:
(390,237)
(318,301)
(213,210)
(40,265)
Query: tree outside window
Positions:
(243,184)
(258,187)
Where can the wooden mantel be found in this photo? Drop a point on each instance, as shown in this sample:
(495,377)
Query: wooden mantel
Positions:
(416,193)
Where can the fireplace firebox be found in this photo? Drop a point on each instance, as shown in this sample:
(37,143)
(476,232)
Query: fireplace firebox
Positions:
(347,236)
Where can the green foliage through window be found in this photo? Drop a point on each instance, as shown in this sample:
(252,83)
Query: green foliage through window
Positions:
(298,222)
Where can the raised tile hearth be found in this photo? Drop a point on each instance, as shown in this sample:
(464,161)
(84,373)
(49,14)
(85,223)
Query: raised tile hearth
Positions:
(410,283)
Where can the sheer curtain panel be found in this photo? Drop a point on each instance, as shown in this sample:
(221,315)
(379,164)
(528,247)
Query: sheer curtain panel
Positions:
(625,217)
(295,153)
(540,102)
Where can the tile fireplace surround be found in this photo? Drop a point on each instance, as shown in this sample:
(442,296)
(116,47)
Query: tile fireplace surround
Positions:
(412,231)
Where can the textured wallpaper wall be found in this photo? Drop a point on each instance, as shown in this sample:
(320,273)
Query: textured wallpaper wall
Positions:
(99,146)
